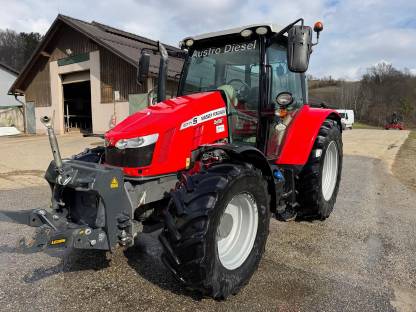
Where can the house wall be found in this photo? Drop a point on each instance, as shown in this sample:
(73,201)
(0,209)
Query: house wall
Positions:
(102,114)
(117,74)
(9,115)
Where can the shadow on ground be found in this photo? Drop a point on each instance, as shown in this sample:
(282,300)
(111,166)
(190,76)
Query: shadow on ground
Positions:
(72,260)
(145,259)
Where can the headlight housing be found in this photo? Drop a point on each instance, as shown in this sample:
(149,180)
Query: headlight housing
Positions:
(137,142)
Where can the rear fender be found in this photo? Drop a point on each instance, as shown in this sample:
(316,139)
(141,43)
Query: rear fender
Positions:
(302,133)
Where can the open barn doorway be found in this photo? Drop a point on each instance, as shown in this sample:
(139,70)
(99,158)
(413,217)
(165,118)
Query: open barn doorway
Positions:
(77,106)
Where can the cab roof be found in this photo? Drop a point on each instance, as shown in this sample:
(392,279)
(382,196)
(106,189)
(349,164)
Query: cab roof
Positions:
(274,28)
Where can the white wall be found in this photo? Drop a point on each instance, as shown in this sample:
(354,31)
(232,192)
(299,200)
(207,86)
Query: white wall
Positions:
(9,116)
(44,111)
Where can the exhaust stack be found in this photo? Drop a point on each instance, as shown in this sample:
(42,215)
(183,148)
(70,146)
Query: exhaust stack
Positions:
(47,122)
(163,73)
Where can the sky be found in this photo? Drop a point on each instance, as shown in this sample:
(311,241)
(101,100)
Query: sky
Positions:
(357,33)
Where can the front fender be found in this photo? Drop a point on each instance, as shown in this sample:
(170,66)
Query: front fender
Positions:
(301,134)
(252,155)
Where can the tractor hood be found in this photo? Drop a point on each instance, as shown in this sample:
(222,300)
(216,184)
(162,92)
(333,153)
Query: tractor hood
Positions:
(171,113)
(161,138)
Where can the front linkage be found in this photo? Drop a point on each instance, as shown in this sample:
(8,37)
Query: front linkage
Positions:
(90,206)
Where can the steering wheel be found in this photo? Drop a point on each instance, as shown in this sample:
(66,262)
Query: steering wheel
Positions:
(243,90)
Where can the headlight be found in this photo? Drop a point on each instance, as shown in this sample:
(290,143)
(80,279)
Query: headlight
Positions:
(261,30)
(246,33)
(137,142)
(189,42)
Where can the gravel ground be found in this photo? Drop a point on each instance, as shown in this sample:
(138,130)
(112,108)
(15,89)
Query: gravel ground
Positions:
(361,259)
(405,165)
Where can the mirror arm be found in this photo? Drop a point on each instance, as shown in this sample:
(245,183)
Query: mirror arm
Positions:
(317,39)
(284,30)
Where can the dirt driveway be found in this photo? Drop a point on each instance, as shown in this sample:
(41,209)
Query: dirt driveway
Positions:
(380,144)
(361,259)
(25,159)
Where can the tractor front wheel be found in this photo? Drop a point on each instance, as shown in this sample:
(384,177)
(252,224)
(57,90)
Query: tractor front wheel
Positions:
(318,182)
(216,228)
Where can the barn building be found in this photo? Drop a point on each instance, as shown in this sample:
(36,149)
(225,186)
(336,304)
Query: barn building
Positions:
(84,74)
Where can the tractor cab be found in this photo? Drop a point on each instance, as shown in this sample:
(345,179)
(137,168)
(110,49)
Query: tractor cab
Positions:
(251,66)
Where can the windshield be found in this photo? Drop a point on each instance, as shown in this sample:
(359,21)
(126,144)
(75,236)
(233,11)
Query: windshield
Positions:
(233,68)
(235,64)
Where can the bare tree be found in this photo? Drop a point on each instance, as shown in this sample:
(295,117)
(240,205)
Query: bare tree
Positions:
(17,48)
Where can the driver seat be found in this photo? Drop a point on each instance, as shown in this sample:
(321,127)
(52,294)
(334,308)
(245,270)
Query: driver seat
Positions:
(230,95)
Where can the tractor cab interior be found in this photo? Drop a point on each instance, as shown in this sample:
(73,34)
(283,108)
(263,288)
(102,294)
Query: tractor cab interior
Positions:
(232,67)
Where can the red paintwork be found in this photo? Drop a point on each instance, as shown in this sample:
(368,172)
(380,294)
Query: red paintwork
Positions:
(399,126)
(301,135)
(174,146)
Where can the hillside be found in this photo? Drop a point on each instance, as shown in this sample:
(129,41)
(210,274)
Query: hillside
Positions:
(332,93)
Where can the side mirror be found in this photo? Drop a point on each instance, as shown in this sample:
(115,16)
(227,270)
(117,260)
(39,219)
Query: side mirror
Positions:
(299,48)
(143,68)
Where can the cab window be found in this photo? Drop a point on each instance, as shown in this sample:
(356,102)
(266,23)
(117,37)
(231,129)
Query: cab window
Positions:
(282,79)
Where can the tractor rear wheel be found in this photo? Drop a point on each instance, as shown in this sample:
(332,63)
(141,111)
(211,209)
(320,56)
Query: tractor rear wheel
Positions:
(318,182)
(216,228)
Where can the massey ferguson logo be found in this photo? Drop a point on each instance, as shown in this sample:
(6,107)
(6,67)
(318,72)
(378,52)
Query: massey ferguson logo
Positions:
(204,117)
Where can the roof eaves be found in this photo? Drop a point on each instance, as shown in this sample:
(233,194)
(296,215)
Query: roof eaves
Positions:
(9,69)
(132,36)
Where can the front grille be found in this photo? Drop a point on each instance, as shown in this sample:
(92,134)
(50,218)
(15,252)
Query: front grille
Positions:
(129,157)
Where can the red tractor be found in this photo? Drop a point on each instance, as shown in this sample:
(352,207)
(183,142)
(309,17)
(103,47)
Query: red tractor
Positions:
(207,168)
(395,121)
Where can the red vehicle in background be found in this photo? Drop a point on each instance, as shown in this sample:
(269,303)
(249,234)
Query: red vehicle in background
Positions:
(394,122)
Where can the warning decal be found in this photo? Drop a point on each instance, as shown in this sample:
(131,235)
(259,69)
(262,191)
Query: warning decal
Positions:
(114,183)
(204,117)
(58,241)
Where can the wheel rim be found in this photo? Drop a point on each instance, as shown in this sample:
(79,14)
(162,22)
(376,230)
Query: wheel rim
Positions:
(330,171)
(237,231)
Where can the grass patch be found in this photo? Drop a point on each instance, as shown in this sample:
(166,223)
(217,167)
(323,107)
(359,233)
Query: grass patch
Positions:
(360,125)
(404,166)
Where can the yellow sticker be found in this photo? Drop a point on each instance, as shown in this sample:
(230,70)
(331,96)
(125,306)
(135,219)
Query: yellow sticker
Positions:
(114,183)
(187,162)
(58,241)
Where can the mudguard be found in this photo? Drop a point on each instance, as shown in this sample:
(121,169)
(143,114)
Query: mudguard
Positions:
(245,153)
(252,155)
(301,134)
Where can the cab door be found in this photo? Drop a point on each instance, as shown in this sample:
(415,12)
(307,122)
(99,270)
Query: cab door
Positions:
(281,79)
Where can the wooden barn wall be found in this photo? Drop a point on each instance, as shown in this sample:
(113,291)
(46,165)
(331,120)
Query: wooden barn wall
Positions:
(39,89)
(117,75)
(70,39)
